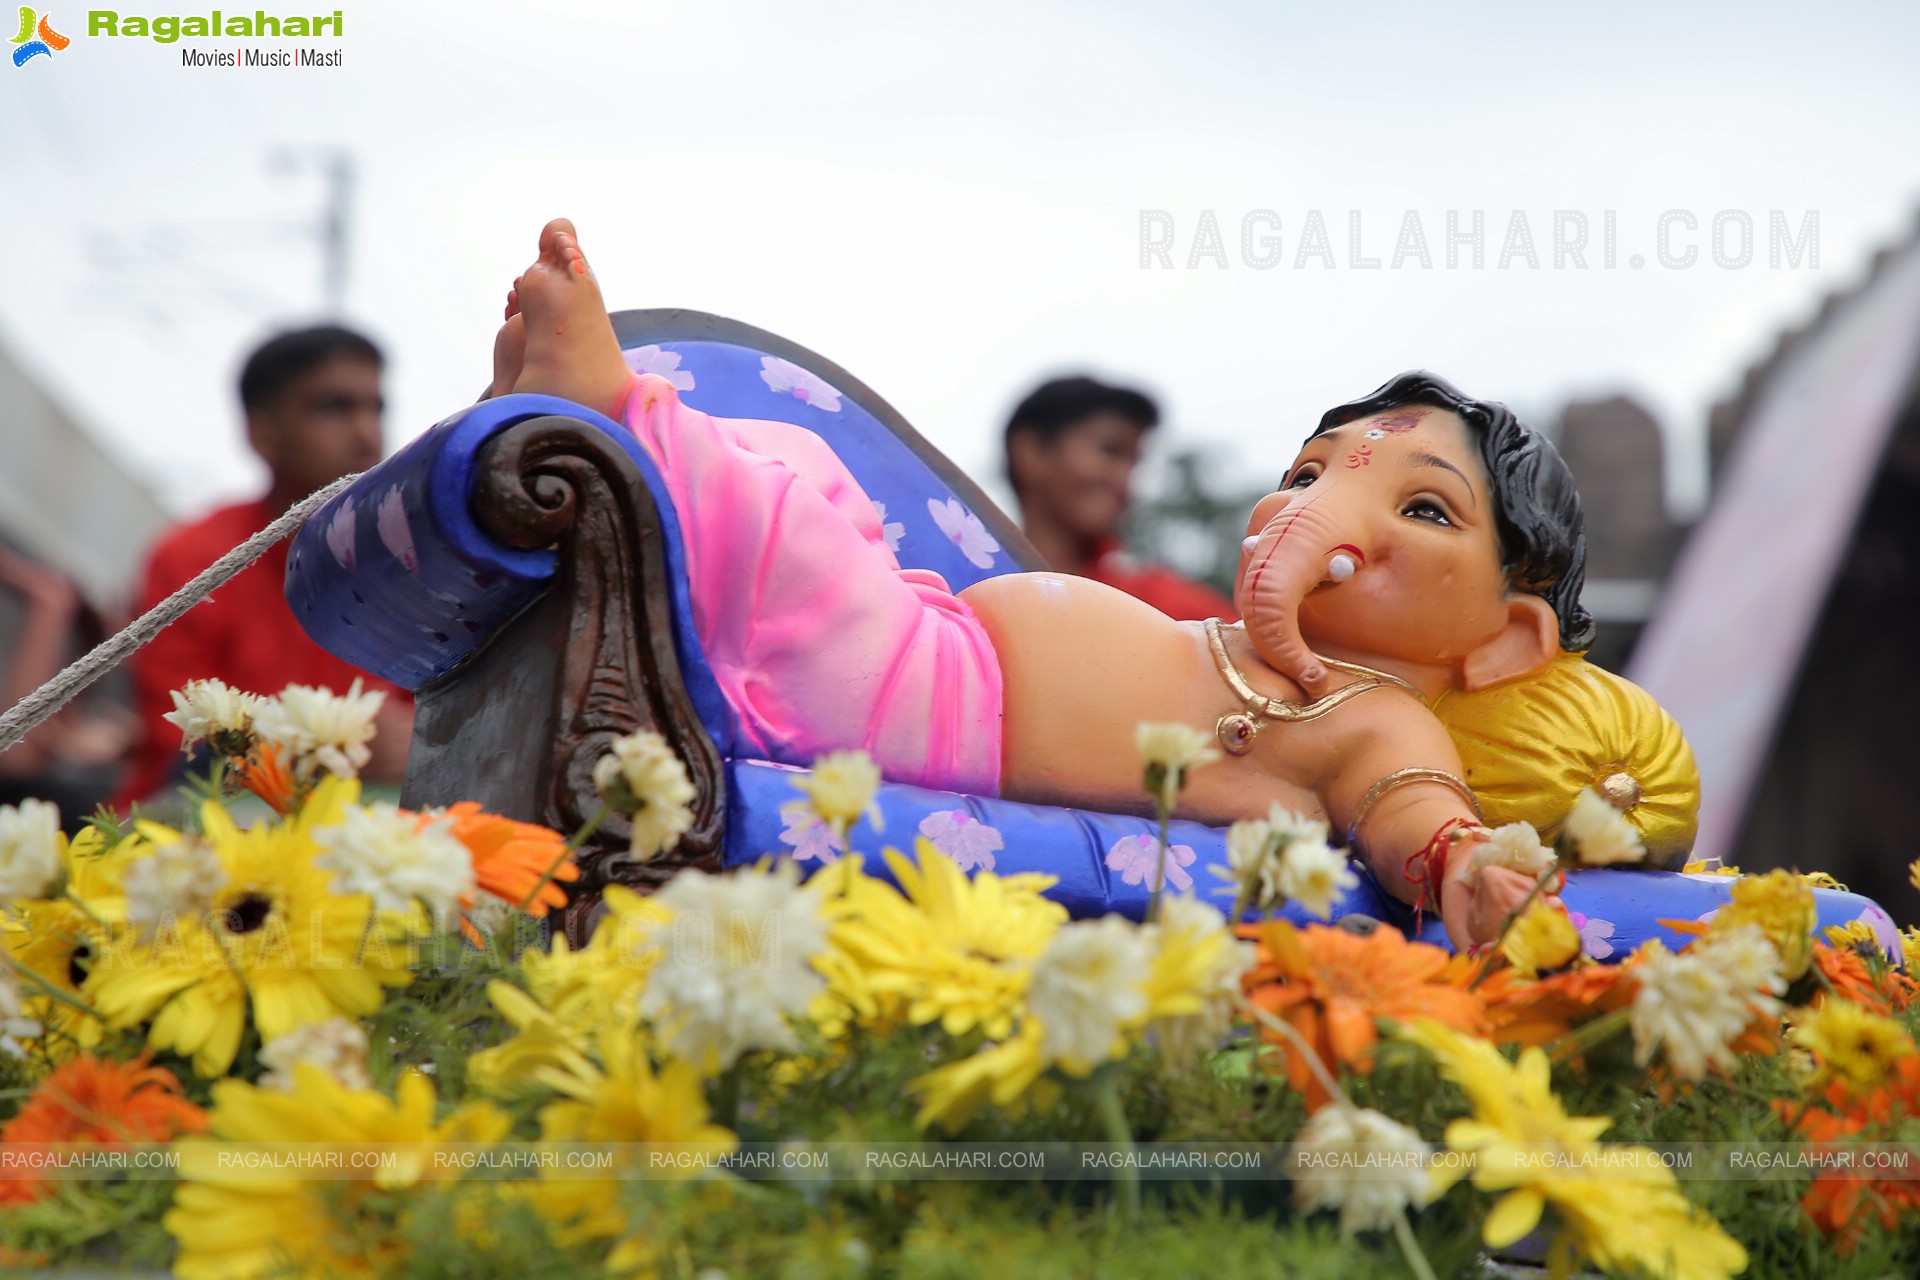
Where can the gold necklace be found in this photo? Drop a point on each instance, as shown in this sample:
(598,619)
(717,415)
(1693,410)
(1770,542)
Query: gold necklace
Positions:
(1237,729)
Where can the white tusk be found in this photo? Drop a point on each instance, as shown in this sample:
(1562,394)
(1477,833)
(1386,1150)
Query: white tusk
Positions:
(1248,543)
(1341,567)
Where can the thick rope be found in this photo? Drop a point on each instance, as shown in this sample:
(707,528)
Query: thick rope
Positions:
(40,705)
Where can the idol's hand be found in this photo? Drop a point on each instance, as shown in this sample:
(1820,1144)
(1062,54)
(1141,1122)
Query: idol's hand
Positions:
(1475,905)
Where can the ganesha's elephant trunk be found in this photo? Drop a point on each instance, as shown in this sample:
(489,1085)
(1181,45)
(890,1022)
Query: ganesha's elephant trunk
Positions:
(1312,541)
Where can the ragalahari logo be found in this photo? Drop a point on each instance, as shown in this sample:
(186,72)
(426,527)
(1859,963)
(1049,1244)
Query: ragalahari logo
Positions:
(36,38)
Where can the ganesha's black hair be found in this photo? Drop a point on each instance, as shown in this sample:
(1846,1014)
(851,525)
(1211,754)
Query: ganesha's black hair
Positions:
(1543,542)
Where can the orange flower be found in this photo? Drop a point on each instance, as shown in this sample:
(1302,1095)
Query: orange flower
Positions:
(1331,986)
(1846,971)
(1839,1201)
(510,858)
(1537,1013)
(262,772)
(90,1101)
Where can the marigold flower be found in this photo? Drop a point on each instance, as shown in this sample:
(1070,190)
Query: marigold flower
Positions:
(30,849)
(1781,905)
(316,729)
(642,777)
(840,789)
(1515,845)
(1542,938)
(1086,992)
(338,1046)
(1367,1165)
(171,883)
(1540,1011)
(1169,751)
(1844,1197)
(522,864)
(1626,1213)
(210,711)
(735,963)
(1332,986)
(1851,1044)
(1695,1005)
(1600,834)
(1846,971)
(96,1102)
(395,859)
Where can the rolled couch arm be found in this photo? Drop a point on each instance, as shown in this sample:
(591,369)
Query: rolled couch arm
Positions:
(520,568)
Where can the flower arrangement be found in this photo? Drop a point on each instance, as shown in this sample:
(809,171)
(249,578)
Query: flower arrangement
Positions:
(338,1041)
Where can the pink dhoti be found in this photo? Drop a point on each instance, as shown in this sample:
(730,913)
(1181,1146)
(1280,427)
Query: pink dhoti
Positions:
(817,636)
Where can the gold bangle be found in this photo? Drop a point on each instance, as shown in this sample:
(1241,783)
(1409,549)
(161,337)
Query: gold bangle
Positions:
(1402,778)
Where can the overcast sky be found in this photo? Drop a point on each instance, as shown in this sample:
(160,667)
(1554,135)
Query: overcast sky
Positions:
(947,199)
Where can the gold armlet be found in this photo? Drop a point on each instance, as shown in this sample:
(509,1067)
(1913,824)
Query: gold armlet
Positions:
(1402,778)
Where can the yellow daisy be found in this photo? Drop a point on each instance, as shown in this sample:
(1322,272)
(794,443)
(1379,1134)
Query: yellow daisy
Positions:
(1542,938)
(1621,1208)
(276,939)
(235,1222)
(1851,1043)
(1782,905)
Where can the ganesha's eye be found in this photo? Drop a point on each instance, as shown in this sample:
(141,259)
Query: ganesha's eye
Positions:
(1428,510)
(1301,479)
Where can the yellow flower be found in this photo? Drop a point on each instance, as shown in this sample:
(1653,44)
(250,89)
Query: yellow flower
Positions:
(622,1100)
(1193,987)
(233,1222)
(1850,1043)
(60,942)
(1622,1209)
(1701,867)
(942,947)
(569,995)
(840,789)
(1910,950)
(277,939)
(1821,880)
(1852,934)
(1913,873)
(1009,1075)
(1542,938)
(1781,904)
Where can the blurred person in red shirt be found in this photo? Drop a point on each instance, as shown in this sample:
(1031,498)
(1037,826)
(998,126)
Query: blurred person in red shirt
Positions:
(1071,448)
(313,404)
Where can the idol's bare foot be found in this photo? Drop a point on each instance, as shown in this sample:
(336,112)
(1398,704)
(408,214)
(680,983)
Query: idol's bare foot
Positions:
(557,339)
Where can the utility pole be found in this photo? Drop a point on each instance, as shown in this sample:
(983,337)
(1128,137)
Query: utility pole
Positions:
(338,166)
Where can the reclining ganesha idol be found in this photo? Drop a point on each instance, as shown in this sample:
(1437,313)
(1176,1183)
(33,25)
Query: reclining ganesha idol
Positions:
(1423,553)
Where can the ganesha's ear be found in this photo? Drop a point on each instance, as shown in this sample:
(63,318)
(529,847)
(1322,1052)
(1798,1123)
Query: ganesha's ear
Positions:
(1528,642)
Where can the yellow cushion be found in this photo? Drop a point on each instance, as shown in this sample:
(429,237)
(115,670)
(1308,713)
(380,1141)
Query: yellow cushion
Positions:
(1531,745)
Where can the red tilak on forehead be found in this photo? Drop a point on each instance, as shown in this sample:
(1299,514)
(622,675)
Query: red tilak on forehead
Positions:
(1405,420)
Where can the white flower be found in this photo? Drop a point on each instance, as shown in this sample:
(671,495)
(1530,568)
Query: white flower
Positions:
(1287,856)
(1314,873)
(338,1046)
(1087,989)
(13,1027)
(1137,859)
(29,849)
(1600,833)
(840,789)
(392,857)
(317,727)
(641,776)
(1515,845)
(494,915)
(890,531)
(964,530)
(734,963)
(661,363)
(1184,1037)
(211,712)
(810,839)
(788,378)
(174,883)
(1169,751)
(1367,1165)
(970,842)
(1695,1004)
